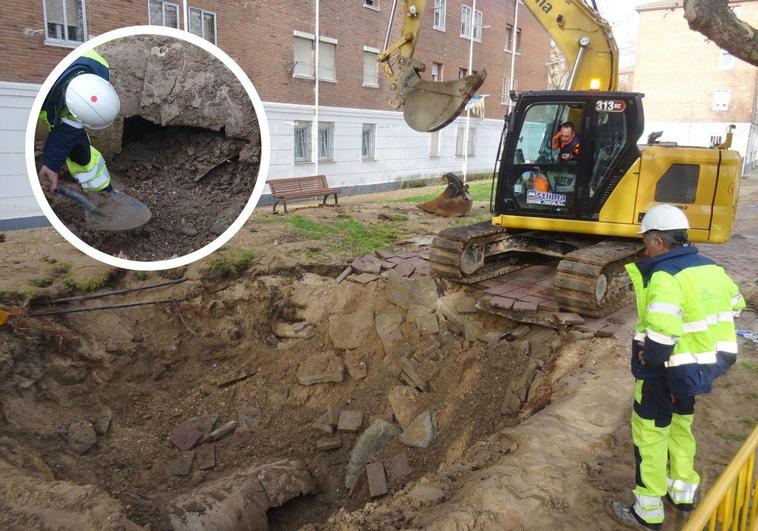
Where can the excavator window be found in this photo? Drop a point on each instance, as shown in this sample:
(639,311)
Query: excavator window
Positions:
(610,140)
(546,173)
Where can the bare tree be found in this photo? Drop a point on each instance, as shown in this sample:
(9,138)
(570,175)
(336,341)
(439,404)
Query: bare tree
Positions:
(715,20)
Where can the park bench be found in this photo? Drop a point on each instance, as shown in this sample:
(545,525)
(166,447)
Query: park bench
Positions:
(299,188)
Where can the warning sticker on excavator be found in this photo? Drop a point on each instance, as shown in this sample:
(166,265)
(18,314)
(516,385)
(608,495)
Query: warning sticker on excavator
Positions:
(533,197)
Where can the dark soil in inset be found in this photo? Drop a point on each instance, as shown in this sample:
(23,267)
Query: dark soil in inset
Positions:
(195,181)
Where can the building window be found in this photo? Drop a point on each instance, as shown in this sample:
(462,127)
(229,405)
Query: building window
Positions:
(327,61)
(302,149)
(436,71)
(371,4)
(370,67)
(726,60)
(509,38)
(440,10)
(434,145)
(459,140)
(504,92)
(721,99)
(466,23)
(303,49)
(326,141)
(163,13)
(368,142)
(462,72)
(65,22)
(203,24)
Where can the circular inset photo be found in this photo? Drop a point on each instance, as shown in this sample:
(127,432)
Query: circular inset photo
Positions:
(148,148)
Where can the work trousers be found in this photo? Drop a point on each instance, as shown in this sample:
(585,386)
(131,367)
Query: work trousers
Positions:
(664,448)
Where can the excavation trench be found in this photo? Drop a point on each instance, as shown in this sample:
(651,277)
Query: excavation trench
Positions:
(97,399)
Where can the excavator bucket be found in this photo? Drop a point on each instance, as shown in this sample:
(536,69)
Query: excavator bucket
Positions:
(431,105)
(110,211)
(454,202)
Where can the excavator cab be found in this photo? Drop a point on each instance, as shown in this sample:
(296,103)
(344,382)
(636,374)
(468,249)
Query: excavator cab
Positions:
(565,152)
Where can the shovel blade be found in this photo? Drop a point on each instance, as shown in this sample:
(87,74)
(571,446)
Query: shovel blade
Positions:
(431,105)
(115,211)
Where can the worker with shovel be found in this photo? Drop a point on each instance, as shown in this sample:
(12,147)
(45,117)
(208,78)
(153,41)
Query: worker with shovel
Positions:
(80,99)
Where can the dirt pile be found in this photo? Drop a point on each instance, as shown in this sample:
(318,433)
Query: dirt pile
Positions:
(186,144)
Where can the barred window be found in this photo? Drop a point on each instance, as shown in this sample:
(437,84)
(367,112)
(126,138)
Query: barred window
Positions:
(368,144)
(326,141)
(302,149)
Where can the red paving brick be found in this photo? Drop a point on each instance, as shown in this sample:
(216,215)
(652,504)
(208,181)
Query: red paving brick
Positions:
(520,306)
(377,481)
(504,303)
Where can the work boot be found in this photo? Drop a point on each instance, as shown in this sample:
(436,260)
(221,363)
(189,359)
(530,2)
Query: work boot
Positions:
(627,517)
(685,507)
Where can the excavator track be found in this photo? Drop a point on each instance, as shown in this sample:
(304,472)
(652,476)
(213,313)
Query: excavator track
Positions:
(592,281)
(448,256)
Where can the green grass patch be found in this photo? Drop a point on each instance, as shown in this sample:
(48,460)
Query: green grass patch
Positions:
(63,268)
(346,235)
(479,190)
(141,275)
(749,422)
(87,284)
(41,282)
(229,264)
(732,437)
(750,366)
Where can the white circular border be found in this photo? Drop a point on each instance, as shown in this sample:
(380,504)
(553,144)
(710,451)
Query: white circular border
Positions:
(171,262)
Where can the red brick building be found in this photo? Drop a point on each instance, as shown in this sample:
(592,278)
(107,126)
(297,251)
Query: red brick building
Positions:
(273,42)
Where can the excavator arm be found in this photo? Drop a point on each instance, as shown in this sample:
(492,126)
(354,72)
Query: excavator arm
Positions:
(583,37)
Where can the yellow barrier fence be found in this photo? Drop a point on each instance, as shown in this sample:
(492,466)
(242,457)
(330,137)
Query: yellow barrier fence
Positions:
(732,502)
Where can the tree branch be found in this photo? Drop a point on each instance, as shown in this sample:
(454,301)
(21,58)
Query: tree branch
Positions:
(715,20)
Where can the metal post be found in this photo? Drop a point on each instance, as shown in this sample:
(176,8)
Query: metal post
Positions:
(185,15)
(314,130)
(470,69)
(389,25)
(514,40)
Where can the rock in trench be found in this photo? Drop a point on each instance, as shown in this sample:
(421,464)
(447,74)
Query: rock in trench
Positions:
(420,432)
(376,437)
(321,369)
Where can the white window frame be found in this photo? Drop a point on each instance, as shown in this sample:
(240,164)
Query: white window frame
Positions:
(325,40)
(505,93)
(374,52)
(721,99)
(460,135)
(66,43)
(440,71)
(328,127)
(435,142)
(440,15)
(370,153)
(509,40)
(469,23)
(478,25)
(307,126)
(462,72)
(726,60)
(164,3)
(374,7)
(465,21)
(204,12)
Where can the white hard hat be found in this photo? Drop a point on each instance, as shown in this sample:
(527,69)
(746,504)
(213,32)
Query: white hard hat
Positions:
(92,101)
(664,217)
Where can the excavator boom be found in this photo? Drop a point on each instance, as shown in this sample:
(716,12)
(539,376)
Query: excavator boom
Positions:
(583,37)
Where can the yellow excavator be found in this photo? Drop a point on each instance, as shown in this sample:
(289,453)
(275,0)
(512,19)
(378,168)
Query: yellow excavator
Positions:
(583,213)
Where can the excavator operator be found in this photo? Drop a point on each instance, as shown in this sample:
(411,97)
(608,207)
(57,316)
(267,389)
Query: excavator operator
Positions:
(566,141)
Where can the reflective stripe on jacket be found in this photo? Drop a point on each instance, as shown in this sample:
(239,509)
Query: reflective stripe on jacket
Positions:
(686,306)
(94,176)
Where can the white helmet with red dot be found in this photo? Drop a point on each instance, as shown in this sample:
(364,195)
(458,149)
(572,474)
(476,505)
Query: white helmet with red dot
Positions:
(92,101)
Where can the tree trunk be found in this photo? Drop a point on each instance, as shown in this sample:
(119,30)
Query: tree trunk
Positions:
(715,20)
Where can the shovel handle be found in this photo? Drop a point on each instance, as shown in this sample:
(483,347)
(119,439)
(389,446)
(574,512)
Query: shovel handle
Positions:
(76,197)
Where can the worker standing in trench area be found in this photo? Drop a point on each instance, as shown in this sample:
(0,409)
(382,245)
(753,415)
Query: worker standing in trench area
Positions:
(685,338)
(80,98)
